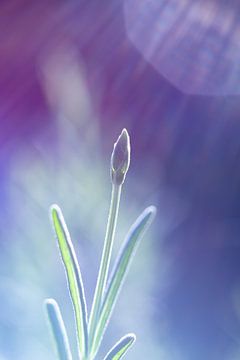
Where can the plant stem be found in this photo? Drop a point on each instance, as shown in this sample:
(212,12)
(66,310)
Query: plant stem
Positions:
(105,260)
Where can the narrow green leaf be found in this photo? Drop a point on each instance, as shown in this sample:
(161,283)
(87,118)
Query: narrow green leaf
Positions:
(74,278)
(119,272)
(58,329)
(121,347)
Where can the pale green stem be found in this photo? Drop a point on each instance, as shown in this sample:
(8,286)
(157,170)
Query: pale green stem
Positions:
(105,260)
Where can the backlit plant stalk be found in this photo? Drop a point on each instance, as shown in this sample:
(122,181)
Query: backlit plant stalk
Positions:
(120,161)
(90,333)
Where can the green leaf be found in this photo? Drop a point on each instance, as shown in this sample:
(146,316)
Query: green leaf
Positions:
(58,329)
(74,278)
(121,347)
(119,272)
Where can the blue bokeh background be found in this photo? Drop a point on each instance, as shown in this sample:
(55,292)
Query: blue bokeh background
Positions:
(72,75)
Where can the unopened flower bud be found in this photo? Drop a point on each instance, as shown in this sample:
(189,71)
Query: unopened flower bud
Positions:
(120,159)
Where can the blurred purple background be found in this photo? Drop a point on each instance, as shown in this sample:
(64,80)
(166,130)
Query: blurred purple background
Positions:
(73,74)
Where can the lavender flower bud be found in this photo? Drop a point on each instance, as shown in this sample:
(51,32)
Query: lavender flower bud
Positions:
(120,159)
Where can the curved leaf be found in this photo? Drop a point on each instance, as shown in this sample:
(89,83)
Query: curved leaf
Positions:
(58,329)
(119,272)
(121,347)
(73,276)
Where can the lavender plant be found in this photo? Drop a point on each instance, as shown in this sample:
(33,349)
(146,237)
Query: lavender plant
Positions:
(90,331)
